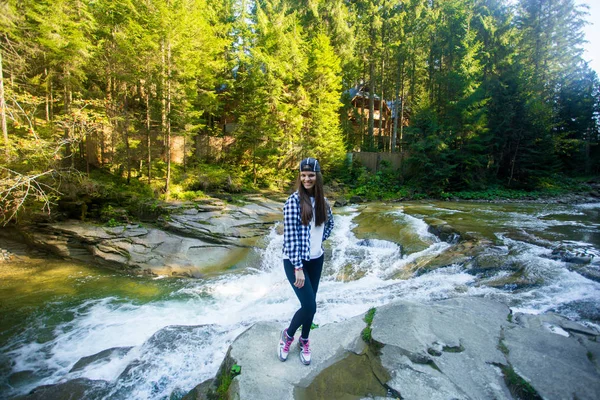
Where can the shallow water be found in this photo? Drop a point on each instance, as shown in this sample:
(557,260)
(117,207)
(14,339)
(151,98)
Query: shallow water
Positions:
(56,312)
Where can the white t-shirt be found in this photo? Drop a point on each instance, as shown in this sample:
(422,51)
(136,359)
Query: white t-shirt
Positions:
(316,235)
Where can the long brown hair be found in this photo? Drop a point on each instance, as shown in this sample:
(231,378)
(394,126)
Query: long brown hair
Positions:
(306,209)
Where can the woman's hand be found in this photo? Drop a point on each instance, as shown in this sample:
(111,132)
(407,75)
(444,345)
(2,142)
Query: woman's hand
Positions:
(299,279)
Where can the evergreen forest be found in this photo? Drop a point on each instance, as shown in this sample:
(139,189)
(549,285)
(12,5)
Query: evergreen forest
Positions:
(172,99)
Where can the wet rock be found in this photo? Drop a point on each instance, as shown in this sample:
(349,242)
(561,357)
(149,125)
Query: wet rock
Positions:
(586,309)
(135,249)
(571,256)
(450,349)
(102,357)
(80,388)
(191,243)
(21,378)
(557,366)
(263,376)
(202,391)
(340,202)
(353,377)
(356,200)
(156,354)
(443,230)
(378,243)
(459,254)
(226,225)
(427,348)
(591,272)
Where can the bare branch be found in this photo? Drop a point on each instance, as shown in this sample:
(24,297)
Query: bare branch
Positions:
(17,189)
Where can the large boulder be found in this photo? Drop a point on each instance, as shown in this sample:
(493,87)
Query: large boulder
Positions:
(263,376)
(551,353)
(443,350)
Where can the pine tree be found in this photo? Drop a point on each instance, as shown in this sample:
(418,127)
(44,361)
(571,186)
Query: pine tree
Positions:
(323,135)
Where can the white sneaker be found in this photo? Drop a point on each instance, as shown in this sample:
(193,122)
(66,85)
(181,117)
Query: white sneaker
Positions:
(304,345)
(284,345)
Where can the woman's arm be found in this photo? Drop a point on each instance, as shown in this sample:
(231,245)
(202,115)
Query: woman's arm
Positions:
(291,241)
(328,223)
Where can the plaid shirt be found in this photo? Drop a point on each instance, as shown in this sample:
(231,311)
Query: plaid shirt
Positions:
(296,237)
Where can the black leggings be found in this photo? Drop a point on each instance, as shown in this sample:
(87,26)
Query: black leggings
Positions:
(307,294)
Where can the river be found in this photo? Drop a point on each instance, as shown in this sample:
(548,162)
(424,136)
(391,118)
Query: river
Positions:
(56,312)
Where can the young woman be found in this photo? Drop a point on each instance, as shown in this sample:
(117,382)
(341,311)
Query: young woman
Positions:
(307,222)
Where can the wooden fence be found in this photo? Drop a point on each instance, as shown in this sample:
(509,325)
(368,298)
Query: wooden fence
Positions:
(372,160)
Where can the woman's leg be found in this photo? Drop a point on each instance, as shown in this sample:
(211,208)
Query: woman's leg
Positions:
(307,294)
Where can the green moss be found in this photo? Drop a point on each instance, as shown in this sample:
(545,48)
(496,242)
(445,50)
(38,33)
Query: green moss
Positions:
(366,333)
(501,346)
(369,316)
(518,386)
(224,387)
(433,365)
(453,349)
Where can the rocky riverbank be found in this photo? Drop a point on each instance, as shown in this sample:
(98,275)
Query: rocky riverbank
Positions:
(462,348)
(193,239)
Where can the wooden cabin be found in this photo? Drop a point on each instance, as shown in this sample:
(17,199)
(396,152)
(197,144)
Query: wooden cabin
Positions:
(383,116)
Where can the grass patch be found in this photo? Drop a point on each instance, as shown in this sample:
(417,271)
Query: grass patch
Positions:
(518,386)
(590,356)
(369,316)
(453,349)
(223,387)
(502,347)
(366,333)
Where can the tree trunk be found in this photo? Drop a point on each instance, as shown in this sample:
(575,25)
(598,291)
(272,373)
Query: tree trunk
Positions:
(362,109)
(126,134)
(163,109)
(402,103)
(371,127)
(3,111)
(67,131)
(47,87)
(380,127)
(381,144)
(371,85)
(168,117)
(148,141)
(396,102)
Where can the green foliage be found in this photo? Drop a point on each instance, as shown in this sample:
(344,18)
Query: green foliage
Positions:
(502,347)
(210,178)
(366,333)
(517,385)
(198,96)
(223,387)
(382,185)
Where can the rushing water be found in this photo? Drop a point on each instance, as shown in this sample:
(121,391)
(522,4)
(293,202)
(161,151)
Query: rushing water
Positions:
(54,312)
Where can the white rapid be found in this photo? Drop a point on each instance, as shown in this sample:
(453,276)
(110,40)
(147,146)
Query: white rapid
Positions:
(358,275)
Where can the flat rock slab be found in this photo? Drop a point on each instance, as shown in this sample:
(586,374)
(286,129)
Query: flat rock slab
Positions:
(136,248)
(557,366)
(441,350)
(263,376)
